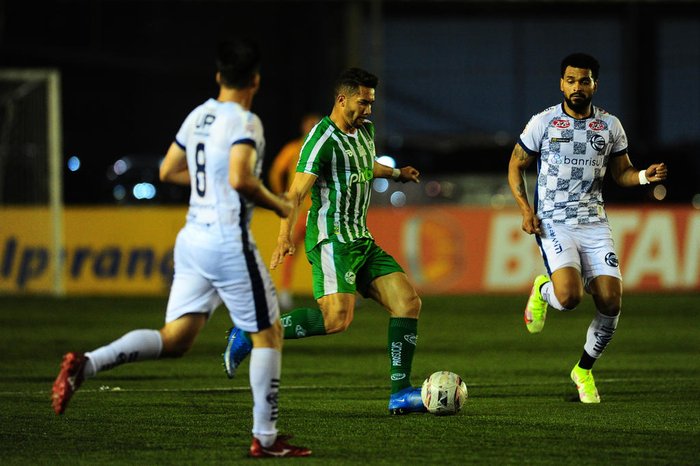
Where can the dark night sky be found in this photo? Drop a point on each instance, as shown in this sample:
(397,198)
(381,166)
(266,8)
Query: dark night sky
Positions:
(131,71)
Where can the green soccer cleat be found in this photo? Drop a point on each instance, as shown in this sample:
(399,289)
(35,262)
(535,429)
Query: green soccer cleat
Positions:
(536,309)
(583,378)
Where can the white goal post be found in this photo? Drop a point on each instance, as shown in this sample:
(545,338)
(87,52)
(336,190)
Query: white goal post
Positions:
(31,156)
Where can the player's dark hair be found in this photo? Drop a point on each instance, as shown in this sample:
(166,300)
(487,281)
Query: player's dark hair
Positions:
(238,60)
(583,61)
(349,81)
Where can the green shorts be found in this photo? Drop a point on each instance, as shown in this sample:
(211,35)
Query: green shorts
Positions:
(345,268)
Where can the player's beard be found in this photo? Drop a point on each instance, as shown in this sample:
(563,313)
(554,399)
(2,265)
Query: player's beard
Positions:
(358,122)
(581,104)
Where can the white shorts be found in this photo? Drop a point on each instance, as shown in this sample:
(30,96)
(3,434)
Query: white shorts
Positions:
(587,247)
(212,267)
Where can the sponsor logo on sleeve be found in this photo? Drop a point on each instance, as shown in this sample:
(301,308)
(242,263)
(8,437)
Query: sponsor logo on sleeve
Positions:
(597,125)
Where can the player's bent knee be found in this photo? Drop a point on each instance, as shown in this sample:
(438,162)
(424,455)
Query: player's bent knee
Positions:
(337,322)
(570,300)
(175,349)
(409,307)
(610,307)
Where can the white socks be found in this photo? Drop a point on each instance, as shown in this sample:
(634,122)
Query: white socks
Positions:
(547,292)
(600,332)
(265,369)
(137,345)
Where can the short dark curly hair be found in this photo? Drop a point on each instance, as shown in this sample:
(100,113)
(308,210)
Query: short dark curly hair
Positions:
(350,81)
(583,61)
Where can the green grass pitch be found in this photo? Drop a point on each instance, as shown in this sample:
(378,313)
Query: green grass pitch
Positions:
(521,408)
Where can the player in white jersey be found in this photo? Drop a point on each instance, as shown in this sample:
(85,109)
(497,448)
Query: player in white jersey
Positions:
(574,143)
(218,152)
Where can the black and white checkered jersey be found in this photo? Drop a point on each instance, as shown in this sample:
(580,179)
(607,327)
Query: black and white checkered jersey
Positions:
(572,158)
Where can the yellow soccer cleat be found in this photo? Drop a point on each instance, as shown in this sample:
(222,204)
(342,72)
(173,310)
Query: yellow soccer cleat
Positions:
(583,378)
(536,309)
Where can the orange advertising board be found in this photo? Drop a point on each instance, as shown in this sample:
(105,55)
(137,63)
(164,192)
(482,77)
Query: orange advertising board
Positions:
(444,250)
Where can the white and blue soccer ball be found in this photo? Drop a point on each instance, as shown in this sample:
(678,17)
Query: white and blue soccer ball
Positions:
(444,392)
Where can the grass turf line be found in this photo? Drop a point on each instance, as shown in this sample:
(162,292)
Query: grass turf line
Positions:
(521,409)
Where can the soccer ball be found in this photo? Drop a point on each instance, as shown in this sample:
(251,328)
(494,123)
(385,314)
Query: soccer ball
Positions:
(444,392)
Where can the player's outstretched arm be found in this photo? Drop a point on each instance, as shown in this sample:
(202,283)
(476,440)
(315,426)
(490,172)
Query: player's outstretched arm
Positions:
(519,161)
(626,175)
(404,174)
(299,189)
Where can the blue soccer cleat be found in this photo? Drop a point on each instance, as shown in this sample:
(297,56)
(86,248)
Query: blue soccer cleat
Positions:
(407,401)
(237,349)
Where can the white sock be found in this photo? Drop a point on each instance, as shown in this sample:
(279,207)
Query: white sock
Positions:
(265,369)
(600,332)
(547,292)
(137,345)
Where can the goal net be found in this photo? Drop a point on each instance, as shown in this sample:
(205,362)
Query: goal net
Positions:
(31,191)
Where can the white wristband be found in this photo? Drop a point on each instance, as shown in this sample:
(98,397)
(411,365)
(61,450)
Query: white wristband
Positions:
(395,174)
(643,177)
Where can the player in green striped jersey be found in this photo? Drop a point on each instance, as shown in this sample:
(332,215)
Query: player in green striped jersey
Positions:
(336,165)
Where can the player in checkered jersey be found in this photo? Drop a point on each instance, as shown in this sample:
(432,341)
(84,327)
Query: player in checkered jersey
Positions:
(574,143)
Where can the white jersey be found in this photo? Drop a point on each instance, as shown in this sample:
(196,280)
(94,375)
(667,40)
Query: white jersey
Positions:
(573,157)
(215,256)
(207,135)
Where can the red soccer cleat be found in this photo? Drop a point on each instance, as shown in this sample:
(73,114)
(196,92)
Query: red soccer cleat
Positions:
(68,381)
(278,449)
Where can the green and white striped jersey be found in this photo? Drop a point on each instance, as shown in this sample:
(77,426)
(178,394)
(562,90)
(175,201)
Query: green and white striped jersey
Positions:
(340,196)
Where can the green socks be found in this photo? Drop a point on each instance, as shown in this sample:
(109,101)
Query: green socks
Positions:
(302,322)
(401,346)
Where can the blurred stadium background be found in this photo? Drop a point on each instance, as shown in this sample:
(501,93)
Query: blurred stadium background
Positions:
(92,93)
(109,83)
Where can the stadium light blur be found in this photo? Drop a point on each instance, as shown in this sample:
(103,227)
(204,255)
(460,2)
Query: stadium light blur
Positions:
(696,201)
(119,192)
(387,160)
(73,163)
(432,188)
(120,167)
(398,199)
(659,192)
(144,191)
(380,185)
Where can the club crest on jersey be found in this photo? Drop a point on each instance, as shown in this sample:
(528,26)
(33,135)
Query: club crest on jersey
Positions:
(350,277)
(611,259)
(597,142)
(349,153)
(561,124)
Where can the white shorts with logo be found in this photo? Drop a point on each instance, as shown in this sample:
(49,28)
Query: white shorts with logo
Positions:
(215,264)
(588,247)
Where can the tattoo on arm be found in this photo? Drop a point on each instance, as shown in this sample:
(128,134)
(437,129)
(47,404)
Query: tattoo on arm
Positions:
(520,154)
